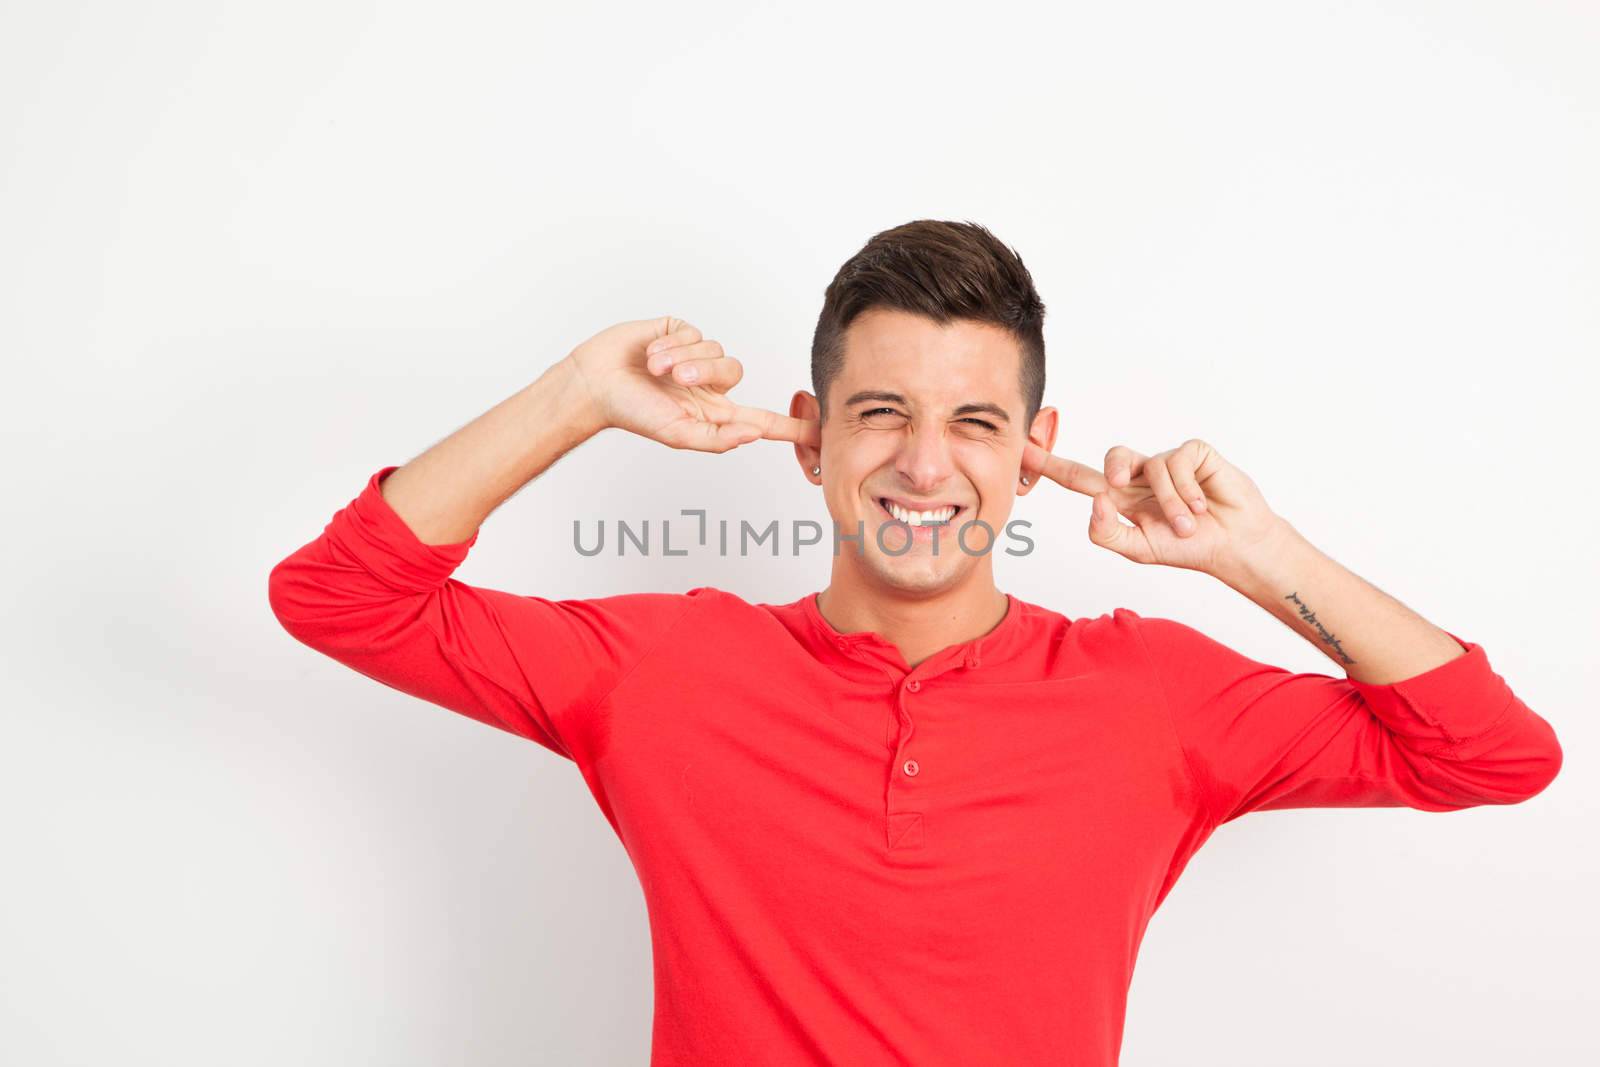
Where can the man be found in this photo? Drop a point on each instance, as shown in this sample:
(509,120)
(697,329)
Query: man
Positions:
(909,819)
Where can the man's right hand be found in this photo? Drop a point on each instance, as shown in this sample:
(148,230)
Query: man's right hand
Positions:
(677,392)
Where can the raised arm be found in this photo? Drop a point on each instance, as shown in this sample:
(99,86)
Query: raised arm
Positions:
(1421,720)
(374,590)
(635,376)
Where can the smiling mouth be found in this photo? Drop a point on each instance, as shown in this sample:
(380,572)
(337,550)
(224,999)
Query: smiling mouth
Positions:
(940,516)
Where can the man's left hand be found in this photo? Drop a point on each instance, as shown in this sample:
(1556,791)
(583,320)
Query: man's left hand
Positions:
(1231,522)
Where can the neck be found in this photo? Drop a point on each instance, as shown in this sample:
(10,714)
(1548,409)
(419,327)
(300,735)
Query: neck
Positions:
(918,624)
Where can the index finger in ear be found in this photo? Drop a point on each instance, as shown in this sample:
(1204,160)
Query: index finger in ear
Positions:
(1079,477)
(776,427)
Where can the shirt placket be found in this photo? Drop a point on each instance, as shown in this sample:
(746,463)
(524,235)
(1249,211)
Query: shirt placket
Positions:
(908,779)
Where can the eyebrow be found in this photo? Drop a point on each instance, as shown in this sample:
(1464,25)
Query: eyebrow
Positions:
(895,398)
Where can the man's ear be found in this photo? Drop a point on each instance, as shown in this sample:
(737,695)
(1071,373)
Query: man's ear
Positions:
(1043,434)
(805,406)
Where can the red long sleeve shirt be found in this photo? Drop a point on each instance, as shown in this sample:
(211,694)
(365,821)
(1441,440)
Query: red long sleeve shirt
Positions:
(849,861)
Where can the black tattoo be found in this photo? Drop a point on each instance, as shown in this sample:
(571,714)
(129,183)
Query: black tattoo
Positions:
(1309,617)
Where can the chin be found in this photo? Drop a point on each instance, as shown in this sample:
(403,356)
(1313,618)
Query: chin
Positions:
(915,575)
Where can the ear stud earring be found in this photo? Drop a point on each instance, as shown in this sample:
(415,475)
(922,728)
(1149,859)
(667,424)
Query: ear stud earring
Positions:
(1024,481)
(816,470)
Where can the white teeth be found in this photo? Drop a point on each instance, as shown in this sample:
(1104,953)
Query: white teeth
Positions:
(921,518)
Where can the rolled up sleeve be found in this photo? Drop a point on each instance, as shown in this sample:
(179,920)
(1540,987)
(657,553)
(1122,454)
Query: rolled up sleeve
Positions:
(372,596)
(1259,737)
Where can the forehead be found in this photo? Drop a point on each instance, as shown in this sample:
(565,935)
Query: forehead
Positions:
(931,365)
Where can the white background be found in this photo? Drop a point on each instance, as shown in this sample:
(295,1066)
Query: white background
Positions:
(249,253)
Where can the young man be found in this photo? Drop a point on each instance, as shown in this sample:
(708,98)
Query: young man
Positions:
(910,819)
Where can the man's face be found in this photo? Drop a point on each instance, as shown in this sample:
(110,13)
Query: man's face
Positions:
(924,418)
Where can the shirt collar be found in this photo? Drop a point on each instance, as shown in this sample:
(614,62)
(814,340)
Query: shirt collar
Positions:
(867,652)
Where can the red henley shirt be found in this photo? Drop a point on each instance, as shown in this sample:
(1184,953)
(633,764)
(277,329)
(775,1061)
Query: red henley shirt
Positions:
(849,861)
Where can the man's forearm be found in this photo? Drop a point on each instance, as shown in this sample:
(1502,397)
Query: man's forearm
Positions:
(445,493)
(1373,636)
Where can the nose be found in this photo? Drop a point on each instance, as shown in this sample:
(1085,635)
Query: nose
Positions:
(924,457)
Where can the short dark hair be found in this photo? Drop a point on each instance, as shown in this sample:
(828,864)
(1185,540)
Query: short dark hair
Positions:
(945,271)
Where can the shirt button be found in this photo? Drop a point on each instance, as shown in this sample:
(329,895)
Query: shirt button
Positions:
(911,768)
(913,685)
